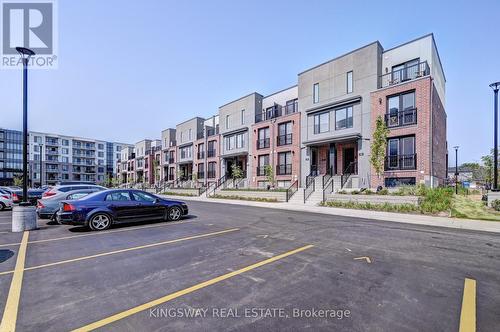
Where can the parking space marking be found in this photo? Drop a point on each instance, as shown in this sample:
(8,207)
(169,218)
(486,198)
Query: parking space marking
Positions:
(98,233)
(186,291)
(468,313)
(124,250)
(9,317)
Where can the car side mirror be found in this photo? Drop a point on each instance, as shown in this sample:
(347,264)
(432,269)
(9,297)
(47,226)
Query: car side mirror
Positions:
(157,200)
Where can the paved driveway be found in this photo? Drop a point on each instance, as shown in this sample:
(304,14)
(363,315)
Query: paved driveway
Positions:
(245,268)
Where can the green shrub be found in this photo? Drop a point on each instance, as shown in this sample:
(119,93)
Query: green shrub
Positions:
(255,189)
(342,192)
(406,190)
(242,198)
(387,207)
(355,192)
(436,200)
(496,205)
(368,192)
(170,193)
(384,191)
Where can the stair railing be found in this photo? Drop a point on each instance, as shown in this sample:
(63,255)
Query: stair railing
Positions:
(292,190)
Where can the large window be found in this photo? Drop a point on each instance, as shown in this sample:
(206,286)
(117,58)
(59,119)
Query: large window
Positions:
(227,121)
(242,117)
(405,71)
(316,93)
(240,141)
(343,118)
(285,133)
(321,122)
(235,141)
(263,141)
(349,82)
(401,153)
(284,163)
(263,162)
(211,169)
(401,110)
(186,152)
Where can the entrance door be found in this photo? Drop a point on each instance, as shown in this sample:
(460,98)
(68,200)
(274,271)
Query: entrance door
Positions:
(229,168)
(349,157)
(314,161)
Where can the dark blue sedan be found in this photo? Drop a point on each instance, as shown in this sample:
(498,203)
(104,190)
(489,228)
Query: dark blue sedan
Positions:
(100,210)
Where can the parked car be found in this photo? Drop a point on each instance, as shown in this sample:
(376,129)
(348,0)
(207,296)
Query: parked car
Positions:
(65,183)
(66,188)
(100,210)
(17,194)
(46,208)
(5,200)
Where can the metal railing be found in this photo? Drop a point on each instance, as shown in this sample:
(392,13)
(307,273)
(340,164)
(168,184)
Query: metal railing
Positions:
(201,175)
(352,168)
(263,143)
(412,72)
(401,118)
(401,162)
(284,169)
(284,139)
(276,111)
(292,190)
(310,186)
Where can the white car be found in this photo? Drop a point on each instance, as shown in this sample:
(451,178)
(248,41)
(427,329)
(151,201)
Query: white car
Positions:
(5,200)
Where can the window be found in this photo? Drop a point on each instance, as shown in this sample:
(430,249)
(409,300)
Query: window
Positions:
(211,170)
(316,93)
(343,118)
(143,197)
(100,146)
(227,121)
(38,139)
(263,162)
(186,152)
(405,71)
(240,141)
(76,195)
(242,117)
(349,82)
(190,135)
(182,137)
(321,122)
(64,168)
(65,150)
(65,159)
(395,182)
(401,153)
(401,110)
(65,142)
(284,163)
(36,148)
(263,141)
(285,133)
(118,196)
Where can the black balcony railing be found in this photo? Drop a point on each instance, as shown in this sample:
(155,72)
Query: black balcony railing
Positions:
(263,143)
(210,153)
(201,155)
(284,169)
(401,162)
(171,177)
(211,174)
(408,73)
(284,139)
(402,118)
(291,108)
(276,111)
(261,171)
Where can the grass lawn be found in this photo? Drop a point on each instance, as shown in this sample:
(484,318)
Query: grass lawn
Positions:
(472,207)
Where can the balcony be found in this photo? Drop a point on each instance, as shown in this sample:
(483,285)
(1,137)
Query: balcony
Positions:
(284,139)
(211,153)
(401,162)
(201,155)
(263,143)
(277,111)
(401,118)
(408,73)
(261,171)
(284,169)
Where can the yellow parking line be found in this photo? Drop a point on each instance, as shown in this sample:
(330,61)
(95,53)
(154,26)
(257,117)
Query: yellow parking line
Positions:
(97,233)
(11,306)
(125,250)
(185,291)
(468,314)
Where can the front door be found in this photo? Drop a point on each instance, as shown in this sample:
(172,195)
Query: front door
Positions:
(314,161)
(349,159)
(229,168)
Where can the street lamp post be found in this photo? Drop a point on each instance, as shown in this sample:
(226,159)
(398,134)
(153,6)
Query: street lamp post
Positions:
(41,165)
(456,169)
(495,86)
(25,53)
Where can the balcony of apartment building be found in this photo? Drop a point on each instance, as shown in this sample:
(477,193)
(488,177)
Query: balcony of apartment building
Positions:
(284,169)
(212,131)
(404,72)
(83,145)
(49,168)
(263,143)
(285,139)
(401,162)
(396,118)
(51,151)
(276,111)
(51,141)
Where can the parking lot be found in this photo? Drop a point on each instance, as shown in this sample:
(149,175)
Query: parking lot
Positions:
(247,268)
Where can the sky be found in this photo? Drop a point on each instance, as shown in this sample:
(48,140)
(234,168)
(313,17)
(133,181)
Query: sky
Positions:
(129,69)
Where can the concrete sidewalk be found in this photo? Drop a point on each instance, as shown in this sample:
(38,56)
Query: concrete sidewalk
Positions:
(417,219)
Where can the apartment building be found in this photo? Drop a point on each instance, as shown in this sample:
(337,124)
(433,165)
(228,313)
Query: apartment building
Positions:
(322,127)
(276,147)
(187,133)
(54,157)
(236,120)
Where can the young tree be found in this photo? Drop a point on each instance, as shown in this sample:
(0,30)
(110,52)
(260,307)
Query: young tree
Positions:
(379,146)
(236,171)
(18,181)
(269,173)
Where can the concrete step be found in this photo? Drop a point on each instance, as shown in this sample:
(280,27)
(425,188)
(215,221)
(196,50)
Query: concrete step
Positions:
(298,197)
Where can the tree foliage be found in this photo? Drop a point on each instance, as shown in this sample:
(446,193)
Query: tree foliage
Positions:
(379,146)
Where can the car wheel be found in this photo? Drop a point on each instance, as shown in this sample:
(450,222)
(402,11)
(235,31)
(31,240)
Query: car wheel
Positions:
(174,213)
(2,206)
(100,222)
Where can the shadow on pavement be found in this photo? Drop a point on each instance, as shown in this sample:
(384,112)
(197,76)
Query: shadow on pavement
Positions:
(5,254)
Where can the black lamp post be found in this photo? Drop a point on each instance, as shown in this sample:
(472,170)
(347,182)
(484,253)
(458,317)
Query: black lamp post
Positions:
(25,53)
(495,86)
(456,169)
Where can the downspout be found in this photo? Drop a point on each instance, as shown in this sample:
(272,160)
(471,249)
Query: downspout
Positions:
(431,140)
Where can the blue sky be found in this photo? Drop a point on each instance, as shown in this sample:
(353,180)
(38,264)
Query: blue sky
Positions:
(128,69)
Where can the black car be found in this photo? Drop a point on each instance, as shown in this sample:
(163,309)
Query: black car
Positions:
(101,209)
